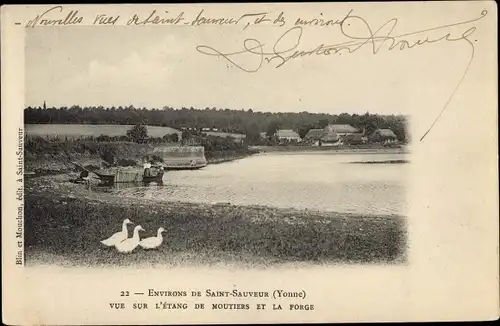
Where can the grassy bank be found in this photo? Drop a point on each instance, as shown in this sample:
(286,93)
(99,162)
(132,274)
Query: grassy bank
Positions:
(67,224)
(45,157)
(52,157)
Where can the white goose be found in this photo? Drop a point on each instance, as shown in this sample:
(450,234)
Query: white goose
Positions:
(131,243)
(152,242)
(118,236)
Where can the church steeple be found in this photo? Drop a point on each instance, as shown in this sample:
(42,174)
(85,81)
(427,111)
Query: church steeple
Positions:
(44,105)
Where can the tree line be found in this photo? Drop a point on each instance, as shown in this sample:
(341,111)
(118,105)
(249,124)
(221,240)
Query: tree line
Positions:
(233,121)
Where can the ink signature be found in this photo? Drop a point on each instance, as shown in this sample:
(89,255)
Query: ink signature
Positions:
(286,46)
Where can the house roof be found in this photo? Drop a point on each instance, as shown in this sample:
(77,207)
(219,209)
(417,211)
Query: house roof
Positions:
(330,137)
(341,128)
(315,134)
(386,133)
(287,133)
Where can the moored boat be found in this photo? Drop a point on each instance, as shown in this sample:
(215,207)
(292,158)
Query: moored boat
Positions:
(121,176)
(192,166)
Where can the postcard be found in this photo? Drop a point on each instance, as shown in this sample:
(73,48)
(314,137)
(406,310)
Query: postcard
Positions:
(249,163)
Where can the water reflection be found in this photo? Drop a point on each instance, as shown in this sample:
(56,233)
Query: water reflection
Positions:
(136,189)
(127,185)
(316,181)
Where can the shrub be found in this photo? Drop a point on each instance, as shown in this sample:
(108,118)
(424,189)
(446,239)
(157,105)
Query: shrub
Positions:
(108,154)
(174,137)
(138,133)
(104,138)
(126,162)
(156,158)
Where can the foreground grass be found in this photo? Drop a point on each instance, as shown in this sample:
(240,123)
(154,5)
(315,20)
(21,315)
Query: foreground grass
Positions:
(61,227)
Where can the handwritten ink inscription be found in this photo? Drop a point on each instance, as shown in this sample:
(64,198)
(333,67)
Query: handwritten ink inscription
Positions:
(56,17)
(201,19)
(156,19)
(44,19)
(247,19)
(286,46)
(103,19)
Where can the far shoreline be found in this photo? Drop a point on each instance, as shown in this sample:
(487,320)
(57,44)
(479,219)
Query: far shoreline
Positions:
(286,150)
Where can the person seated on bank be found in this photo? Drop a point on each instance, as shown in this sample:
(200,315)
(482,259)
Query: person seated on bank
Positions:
(83,177)
(147,169)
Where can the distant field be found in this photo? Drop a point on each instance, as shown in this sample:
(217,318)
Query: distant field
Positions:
(77,130)
(224,134)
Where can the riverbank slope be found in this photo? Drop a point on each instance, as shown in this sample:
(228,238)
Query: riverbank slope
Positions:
(44,157)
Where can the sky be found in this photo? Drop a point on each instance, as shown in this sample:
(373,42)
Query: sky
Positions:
(159,66)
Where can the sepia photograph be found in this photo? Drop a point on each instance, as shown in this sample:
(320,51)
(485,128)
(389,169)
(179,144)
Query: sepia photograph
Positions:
(264,163)
(135,157)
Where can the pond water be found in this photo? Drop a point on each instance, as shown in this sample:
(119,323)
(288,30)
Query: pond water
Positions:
(319,181)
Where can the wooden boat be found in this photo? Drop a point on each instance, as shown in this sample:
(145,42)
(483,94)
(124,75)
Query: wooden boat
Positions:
(179,168)
(125,175)
(183,166)
(135,176)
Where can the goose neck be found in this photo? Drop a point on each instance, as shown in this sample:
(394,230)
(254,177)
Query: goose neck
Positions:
(124,227)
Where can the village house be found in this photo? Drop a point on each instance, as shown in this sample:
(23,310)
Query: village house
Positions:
(385,136)
(314,135)
(287,135)
(330,139)
(347,133)
(355,139)
(340,129)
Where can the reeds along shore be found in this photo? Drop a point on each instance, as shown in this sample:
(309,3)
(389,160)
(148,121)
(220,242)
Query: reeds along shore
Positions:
(69,228)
